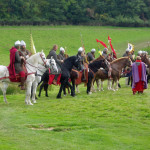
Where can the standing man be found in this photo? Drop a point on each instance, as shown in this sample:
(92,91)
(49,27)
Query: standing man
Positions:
(15,64)
(91,55)
(139,76)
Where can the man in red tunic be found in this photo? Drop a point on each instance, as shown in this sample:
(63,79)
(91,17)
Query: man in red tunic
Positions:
(139,76)
(15,66)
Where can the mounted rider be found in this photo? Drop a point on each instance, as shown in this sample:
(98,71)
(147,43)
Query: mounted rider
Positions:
(53,54)
(105,51)
(84,65)
(106,56)
(15,66)
(61,55)
(91,55)
(23,51)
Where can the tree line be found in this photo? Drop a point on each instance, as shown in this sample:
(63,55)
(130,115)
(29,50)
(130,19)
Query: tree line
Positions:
(75,12)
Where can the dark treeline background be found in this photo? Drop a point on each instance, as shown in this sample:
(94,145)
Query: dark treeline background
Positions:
(78,12)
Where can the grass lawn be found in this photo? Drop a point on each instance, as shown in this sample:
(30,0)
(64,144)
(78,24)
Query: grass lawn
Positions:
(102,121)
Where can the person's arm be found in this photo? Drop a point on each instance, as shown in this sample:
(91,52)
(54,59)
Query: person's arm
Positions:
(18,57)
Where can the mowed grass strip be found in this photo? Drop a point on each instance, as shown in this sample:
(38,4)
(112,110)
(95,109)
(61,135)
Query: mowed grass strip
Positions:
(101,121)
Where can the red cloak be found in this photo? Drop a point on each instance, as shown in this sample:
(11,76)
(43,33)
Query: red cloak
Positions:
(11,67)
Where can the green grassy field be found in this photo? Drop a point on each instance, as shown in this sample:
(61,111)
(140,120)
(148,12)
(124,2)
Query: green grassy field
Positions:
(102,121)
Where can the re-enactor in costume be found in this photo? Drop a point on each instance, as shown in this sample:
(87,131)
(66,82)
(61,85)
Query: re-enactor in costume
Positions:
(91,55)
(53,54)
(139,76)
(15,66)
(23,51)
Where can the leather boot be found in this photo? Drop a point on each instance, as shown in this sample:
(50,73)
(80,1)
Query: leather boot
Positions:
(22,83)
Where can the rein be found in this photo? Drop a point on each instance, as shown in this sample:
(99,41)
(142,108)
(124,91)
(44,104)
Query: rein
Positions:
(17,76)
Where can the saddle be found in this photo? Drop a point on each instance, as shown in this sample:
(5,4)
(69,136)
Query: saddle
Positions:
(82,75)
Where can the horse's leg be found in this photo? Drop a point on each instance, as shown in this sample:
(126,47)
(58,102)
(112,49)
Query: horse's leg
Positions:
(4,89)
(109,84)
(41,87)
(28,93)
(117,82)
(90,79)
(113,85)
(33,93)
(102,83)
(73,85)
(77,88)
(63,84)
(72,91)
(46,89)
(98,83)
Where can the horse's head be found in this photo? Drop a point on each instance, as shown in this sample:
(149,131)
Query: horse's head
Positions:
(105,64)
(53,66)
(145,59)
(129,62)
(78,62)
(43,61)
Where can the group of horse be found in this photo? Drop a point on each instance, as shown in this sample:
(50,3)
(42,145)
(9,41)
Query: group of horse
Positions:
(37,65)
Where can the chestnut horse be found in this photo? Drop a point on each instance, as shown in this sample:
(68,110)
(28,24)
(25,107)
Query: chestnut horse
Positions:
(117,66)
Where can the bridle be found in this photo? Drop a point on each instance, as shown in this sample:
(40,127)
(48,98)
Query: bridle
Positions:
(44,61)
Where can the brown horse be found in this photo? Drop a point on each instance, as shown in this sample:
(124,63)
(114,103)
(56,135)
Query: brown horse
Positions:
(93,68)
(117,66)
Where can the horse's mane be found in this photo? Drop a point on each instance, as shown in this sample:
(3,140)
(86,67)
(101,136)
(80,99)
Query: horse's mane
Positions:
(117,60)
(32,56)
(99,58)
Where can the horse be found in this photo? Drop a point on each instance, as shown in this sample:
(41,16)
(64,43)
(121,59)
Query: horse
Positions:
(146,60)
(117,65)
(66,69)
(40,71)
(31,66)
(93,68)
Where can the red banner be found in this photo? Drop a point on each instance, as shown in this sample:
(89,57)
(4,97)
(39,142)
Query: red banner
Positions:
(101,43)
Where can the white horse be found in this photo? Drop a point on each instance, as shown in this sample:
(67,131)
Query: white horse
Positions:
(31,66)
(40,71)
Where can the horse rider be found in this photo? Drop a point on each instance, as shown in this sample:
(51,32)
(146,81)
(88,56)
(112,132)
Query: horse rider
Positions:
(23,51)
(83,62)
(139,53)
(127,53)
(61,55)
(107,57)
(91,55)
(105,51)
(15,64)
(58,62)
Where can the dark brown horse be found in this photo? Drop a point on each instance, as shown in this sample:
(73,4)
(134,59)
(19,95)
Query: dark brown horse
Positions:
(91,69)
(117,66)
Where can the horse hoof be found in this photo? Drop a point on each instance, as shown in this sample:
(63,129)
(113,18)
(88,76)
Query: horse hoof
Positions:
(39,95)
(73,95)
(34,102)
(89,93)
(30,104)
(46,95)
(59,97)
(65,95)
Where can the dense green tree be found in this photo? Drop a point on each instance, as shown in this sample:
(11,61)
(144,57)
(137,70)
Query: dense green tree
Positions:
(108,12)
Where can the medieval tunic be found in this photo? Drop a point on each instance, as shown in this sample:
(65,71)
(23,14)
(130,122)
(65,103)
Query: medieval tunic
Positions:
(25,53)
(61,56)
(58,62)
(139,76)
